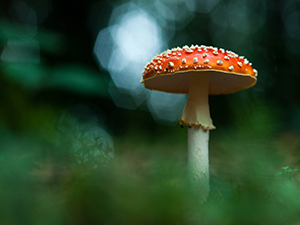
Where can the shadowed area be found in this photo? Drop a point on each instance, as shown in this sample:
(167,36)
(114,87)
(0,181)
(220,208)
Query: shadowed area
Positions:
(219,83)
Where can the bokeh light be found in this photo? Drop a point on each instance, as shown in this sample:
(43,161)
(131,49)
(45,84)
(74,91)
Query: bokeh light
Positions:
(201,6)
(124,47)
(132,38)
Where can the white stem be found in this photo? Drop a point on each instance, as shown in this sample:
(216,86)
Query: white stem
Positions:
(198,160)
(196,115)
(196,111)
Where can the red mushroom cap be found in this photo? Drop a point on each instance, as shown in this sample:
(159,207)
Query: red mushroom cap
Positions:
(228,72)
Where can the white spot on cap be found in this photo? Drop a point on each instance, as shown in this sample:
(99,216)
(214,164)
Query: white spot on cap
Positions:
(220,62)
(255,71)
(230,68)
(231,53)
(195,60)
(240,64)
(179,53)
(215,52)
(204,55)
(188,50)
(226,57)
(171,64)
(183,61)
(206,61)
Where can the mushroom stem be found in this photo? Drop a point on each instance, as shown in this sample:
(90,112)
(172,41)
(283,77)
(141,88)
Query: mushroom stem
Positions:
(198,161)
(196,111)
(196,114)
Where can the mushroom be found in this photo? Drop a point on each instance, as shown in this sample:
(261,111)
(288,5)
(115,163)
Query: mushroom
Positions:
(198,71)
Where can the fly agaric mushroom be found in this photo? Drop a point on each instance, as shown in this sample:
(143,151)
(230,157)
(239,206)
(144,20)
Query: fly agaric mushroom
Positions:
(198,71)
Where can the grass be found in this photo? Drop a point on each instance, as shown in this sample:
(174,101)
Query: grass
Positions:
(42,180)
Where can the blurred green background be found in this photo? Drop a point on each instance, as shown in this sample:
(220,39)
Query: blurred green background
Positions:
(82,141)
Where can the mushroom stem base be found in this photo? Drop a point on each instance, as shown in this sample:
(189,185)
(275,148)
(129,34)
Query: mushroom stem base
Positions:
(198,161)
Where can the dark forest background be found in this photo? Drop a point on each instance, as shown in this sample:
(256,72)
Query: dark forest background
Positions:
(74,149)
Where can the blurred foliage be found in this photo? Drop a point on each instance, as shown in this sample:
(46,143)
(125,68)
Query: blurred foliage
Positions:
(68,155)
(42,182)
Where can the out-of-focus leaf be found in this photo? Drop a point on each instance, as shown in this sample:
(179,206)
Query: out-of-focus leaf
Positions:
(28,75)
(77,78)
(49,41)
(21,51)
(9,30)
